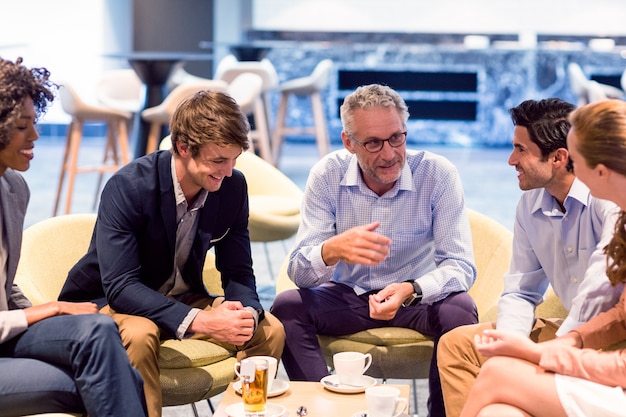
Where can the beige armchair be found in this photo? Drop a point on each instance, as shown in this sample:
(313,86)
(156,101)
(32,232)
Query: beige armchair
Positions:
(191,370)
(393,348)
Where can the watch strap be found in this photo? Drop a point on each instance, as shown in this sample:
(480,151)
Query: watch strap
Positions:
(415,297)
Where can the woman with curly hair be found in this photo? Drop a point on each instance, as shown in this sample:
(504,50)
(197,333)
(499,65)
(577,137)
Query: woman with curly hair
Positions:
(570,376)
(58,356)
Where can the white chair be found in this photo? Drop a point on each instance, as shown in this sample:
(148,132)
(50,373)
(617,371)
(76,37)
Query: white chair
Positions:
(595,92)
(179,75)
(160,115)
(312,86)
(581,86)
(246,89)
(229,68)
(116,153)
(120,89)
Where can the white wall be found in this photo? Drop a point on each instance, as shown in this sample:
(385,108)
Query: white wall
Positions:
(65,36)
(584,17)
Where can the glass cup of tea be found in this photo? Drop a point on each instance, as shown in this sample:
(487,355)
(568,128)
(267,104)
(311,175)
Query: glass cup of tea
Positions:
(253,373)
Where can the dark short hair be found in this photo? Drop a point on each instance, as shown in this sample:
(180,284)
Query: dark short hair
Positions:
(547,123)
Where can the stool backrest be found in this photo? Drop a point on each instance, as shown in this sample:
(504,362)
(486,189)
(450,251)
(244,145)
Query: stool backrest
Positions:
(320,76)
(120,89)
(245,89)
(229,68)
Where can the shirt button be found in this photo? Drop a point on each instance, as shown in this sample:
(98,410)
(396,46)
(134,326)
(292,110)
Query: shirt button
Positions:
(575,280)
(570,249)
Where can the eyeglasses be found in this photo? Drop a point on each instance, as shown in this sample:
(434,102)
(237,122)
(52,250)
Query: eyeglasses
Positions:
(375,145)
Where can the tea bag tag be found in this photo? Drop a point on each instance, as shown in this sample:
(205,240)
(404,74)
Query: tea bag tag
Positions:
(247,371)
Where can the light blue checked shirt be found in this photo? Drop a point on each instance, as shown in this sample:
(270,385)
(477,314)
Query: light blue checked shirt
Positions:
(424,215)
(562,250)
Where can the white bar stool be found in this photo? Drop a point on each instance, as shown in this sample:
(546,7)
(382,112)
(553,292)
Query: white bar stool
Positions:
(116,152)
(246,89)
(229,68)
(311,86)
(160,115)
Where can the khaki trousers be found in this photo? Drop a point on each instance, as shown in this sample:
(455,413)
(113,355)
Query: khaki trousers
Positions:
(141,338)
(459,362)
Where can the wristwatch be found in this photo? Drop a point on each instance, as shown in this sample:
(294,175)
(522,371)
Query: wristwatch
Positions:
(416,297)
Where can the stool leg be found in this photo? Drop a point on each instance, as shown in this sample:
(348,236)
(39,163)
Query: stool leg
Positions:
(77,134)
(277,137)
(155,129)
(122,141)
(321,130)
(109,152)
(262,130)
(115,150)
(66,153)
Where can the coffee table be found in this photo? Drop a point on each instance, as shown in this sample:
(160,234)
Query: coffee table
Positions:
(319,401)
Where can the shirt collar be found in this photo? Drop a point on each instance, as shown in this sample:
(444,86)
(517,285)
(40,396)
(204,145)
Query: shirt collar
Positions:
(180,196)
(549,206)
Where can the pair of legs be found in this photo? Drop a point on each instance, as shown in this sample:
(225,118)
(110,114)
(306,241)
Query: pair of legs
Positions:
(511,387)
(141,337)
(334,309)
(69,364)
(459,361)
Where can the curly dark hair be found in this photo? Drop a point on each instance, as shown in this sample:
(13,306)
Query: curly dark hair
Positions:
(16,83)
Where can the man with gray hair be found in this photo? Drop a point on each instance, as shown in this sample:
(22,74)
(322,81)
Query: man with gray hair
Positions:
(384,241)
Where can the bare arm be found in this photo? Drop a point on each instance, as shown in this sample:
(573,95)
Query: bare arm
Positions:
(57,308)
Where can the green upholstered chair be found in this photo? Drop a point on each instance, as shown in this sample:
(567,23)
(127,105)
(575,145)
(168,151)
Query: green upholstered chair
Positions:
(405,354)
(191,370)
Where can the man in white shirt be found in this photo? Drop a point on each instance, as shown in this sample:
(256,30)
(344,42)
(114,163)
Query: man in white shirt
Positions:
(559,234)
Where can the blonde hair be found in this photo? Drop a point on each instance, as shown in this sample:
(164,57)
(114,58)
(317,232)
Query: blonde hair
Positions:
(600,129)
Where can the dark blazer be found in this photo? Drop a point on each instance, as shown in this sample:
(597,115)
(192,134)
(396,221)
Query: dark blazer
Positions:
(131,253)
(14,196)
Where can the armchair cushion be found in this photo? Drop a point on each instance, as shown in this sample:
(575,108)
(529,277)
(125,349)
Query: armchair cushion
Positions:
(190,353)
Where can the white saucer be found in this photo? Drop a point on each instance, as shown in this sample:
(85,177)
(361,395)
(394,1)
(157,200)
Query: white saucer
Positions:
(278,387)
(364,413)
(271,410)
(366,382)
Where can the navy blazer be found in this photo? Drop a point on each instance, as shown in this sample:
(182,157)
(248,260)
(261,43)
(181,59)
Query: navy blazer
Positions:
(131,253)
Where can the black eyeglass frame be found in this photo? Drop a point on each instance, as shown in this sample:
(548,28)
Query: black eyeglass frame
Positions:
(380,143)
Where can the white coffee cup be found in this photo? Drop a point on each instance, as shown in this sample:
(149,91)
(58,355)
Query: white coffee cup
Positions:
(383,401)
(271,370)
(350,366)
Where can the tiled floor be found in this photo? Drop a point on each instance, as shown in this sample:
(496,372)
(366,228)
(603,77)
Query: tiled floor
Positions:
(490,186)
